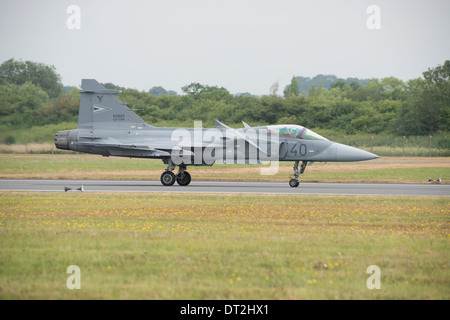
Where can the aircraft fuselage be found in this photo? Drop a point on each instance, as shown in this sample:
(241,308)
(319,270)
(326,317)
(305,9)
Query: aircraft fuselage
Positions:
(207,145)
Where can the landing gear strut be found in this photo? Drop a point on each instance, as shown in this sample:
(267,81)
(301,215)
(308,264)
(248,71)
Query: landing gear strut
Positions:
(294,182)
(168,178)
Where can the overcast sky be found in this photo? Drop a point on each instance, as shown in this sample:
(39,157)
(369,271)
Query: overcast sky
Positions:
(242,45)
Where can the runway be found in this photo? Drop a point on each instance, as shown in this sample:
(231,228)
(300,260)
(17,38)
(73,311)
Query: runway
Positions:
(226,187)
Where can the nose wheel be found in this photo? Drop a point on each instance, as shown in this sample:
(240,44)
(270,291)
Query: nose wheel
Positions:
(295,182)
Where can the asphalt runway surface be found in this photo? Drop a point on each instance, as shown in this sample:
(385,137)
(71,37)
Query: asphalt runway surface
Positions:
(226,187)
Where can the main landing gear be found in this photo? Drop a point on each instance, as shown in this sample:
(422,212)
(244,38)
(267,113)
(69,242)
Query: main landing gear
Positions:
(294,182)
(168,178)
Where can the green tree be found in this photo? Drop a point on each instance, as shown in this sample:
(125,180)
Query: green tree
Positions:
(340,83)
(292,89)
(62,109)
(438,92)
(274,89)
(215,93)
(427,106)
(159,91)
(20,103)
(39,74)
(393,88)
(193,89)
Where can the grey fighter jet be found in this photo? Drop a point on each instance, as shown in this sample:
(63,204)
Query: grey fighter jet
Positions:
(107,127)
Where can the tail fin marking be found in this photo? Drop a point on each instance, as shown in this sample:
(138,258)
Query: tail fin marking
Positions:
(100,109)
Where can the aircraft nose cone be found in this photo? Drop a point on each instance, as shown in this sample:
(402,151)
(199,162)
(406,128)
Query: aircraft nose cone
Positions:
(346,154)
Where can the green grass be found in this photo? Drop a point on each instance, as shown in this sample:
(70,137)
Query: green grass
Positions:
(392,175)
(167,246)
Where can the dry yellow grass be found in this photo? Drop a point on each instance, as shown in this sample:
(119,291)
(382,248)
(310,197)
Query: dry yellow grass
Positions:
(28,148)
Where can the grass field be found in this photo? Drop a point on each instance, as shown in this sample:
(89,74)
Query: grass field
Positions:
(180,246)
(417,170)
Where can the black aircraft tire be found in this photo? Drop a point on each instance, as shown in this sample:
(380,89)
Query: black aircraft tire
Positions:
(294,183)
(168,178)
(184,179)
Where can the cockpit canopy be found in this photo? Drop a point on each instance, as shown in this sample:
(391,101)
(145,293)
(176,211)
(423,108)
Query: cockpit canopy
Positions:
(294,131)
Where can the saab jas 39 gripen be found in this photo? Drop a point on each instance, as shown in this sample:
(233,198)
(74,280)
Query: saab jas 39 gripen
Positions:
(107,127)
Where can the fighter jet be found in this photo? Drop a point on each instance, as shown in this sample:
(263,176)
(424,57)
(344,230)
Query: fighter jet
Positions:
(107,127)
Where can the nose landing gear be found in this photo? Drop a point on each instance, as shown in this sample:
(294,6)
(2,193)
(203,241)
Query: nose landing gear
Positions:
(295,182)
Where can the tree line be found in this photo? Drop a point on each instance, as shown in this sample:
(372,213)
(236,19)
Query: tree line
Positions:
(32,94)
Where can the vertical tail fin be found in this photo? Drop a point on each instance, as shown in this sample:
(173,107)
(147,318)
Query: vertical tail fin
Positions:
(100,109)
